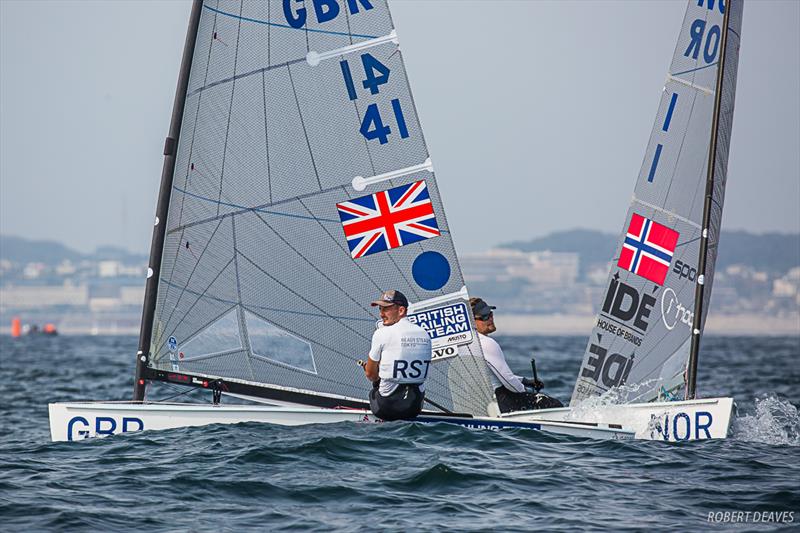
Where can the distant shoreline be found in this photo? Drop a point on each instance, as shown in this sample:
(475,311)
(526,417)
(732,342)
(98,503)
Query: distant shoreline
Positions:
(519,325)
(744,324)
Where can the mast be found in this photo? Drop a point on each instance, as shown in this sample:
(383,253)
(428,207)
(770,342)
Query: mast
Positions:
(697,321)
(160,227)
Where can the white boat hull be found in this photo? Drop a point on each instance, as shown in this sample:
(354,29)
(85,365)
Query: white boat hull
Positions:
(77,421)
(708,418)
(667,421)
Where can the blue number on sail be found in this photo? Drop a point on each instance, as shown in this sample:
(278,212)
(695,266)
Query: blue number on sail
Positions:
(696,32)
(372,126)
(372,81)
(348,79)
(371,65)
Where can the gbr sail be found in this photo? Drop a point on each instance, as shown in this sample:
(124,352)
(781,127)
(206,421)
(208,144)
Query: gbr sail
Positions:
(302,188)
(663,268)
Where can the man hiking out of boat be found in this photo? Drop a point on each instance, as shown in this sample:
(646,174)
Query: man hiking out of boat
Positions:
(513,393)
(398,361)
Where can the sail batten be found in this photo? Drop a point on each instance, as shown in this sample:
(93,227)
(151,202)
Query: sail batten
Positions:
(646,327)
(305,190)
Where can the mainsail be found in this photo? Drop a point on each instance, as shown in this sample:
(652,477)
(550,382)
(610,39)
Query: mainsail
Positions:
(302,188)
(663,269)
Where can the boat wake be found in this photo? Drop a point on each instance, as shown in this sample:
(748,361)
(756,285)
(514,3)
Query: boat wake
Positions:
(774,421)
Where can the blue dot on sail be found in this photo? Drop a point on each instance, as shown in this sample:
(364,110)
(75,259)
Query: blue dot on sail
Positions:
(431,270)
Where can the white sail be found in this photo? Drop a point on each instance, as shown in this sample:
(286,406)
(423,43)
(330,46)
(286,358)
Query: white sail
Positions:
(644,329)
(302,189)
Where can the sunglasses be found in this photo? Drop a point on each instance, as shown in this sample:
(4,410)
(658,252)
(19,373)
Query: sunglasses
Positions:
(484,318)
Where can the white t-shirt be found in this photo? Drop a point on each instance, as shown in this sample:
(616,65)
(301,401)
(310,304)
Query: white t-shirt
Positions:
(404,353)
(501,375)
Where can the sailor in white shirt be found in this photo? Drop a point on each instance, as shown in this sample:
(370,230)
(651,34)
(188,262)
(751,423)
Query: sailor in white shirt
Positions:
(398,361)
(513,392)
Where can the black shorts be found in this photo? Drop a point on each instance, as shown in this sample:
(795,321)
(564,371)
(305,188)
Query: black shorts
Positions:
(508,401)
(404,403)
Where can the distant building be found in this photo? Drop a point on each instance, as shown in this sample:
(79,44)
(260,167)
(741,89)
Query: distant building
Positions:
(537,268)
(33,297)
(108,269)
(33,270)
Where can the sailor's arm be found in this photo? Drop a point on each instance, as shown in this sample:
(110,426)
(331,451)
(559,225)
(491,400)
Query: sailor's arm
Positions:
(372,364)
(497,364)
(371,369)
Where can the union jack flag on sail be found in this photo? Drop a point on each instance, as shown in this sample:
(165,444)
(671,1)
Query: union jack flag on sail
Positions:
(648,249)
(388,219)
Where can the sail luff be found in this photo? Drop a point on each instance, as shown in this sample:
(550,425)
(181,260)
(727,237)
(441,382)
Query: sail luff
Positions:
(160,226)
(702,264)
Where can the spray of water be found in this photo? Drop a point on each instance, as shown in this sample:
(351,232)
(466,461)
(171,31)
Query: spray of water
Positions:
(774,421)
(614,396)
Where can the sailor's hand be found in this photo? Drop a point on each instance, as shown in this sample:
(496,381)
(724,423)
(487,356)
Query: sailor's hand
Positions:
(533,383)
(362,363)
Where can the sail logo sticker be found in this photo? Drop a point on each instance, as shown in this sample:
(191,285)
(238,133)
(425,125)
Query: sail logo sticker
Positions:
(672,311)
(447,326)
(648,249)
(388,219)
(172,344)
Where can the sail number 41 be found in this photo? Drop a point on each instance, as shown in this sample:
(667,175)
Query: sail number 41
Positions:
(375,75)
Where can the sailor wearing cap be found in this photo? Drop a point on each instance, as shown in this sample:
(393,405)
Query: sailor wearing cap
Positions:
(510,390)
(398,361)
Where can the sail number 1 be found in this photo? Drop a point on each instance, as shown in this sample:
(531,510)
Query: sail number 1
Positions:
(375,75)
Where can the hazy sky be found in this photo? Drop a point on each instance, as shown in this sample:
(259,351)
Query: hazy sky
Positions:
(536,113)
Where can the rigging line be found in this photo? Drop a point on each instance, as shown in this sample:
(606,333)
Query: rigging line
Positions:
(240,322)
(690,241)
(680,151)
(286,26)
(465,373)
(274,309)
(230,107)
(341,247)
(213,355)
(191,336)
(196,116)
(171,273)
(266,130)
(665,211)
(312,265)
(262,70)
(306,374)
(303,124)
(200,296)
(672,75)
(194,268)
(188,391)
(269,34)
(358,333)
(244,209)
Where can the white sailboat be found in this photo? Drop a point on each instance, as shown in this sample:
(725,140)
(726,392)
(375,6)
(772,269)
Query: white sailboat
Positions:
(297,185)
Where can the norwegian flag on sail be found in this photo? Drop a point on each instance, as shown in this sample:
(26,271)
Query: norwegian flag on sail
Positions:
(648,249)
(388,219)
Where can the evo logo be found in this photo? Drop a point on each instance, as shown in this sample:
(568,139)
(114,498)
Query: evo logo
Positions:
(625,303)
(681,426)
(610,370)
(79,427)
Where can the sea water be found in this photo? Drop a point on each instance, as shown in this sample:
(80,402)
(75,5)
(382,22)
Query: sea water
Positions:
(395,476)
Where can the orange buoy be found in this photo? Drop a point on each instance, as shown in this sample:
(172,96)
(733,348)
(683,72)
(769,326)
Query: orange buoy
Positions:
(16,327)
(49,329)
